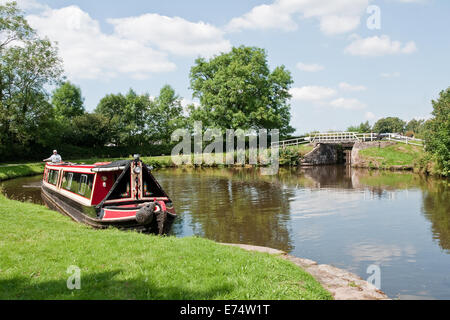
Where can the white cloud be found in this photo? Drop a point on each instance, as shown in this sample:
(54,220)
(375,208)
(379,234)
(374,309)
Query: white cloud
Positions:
(334,16)
(339,24)
(349,104)
(348,87)
(91,54)
(312,93)
(175,35)
(310,67)
(378,46)
(263,17)
(370,116)
(390,74)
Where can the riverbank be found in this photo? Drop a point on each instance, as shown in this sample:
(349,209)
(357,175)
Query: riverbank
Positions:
(395,157)
(12,171)
(39,245)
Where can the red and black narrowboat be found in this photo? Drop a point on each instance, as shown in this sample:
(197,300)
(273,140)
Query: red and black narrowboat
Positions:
(121,194)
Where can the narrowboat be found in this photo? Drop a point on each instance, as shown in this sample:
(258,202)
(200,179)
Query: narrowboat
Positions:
(122,194)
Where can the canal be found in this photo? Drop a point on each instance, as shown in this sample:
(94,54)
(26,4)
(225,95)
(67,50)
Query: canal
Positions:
(350,218)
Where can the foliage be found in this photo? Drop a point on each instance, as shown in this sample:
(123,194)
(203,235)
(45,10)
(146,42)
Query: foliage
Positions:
(437,132)
(136,120)
(238,91)
(90,130)
(68,101)
(415,126)
(165,115)
(389,125)
(27,64)
(364,127)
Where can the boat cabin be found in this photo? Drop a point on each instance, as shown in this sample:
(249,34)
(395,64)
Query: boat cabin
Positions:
(107,191)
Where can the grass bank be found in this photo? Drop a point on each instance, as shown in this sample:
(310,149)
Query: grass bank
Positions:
(20,170)
(37,246)
(393,157)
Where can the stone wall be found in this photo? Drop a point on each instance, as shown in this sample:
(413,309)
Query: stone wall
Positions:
(322,154)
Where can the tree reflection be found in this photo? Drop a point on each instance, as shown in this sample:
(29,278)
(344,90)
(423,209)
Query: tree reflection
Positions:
(232,205)
(436,207)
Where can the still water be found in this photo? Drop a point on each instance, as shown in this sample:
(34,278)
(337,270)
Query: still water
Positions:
(334,215)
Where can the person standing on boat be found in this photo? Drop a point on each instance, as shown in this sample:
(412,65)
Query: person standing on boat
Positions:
(55,158)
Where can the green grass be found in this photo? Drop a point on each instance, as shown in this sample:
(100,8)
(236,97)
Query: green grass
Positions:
(394,155)
(302,149)
(23,170)
(38,245)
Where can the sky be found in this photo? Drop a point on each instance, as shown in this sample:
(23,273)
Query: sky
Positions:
(351,60)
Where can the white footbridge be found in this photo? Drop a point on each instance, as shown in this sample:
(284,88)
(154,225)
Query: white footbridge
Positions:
(347,137)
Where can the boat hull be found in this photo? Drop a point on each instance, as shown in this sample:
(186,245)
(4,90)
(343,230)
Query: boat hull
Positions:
(82,214)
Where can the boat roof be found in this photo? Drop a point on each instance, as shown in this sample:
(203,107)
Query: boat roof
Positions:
(96,167)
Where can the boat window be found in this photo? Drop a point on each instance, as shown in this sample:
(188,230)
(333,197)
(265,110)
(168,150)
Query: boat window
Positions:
(82,186)
(123,189)
(67,180)
(149,186)
(78,183)
(53,177)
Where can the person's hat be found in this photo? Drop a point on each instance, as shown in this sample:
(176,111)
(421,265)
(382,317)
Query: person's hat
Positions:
(55,151)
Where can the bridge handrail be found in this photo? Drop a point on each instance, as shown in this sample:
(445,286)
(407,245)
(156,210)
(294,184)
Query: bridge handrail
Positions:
(348,137)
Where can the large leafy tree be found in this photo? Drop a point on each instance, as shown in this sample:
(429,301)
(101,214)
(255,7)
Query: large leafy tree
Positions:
(389,125)
(68,101)
(127,116)
(238,90)
(111,106)
(27,64)
(90,130)
(166,115)
(437,132)
(415,126)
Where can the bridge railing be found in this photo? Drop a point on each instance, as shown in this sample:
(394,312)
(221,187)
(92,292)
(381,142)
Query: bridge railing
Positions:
(339,137)
(290,142)
(342,137)
(404,139)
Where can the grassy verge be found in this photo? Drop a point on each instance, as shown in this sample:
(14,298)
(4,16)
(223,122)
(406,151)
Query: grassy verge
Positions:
(398,156)
(23,170)
(38,245)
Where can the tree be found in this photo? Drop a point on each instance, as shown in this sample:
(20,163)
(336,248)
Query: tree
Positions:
(166,115)
(237,90)
(415,126)
(364,127)
(111,107)
(437,132)
(68,101)
(27,64)
(389,125)
(127,116)
(135,118)
(90,130)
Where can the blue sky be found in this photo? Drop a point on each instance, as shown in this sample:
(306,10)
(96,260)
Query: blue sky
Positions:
(344,73)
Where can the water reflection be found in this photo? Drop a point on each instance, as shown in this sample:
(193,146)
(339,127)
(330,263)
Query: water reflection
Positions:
(235,206)
(436,207)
